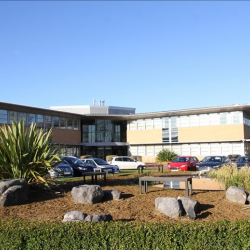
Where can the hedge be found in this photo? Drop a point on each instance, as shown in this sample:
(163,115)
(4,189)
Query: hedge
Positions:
(124,235)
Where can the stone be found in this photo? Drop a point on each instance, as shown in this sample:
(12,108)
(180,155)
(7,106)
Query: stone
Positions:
(98,218)
(14,195)
(74,216)
(87,194)
(190,206)
(5,184)
(169,206)
(112,194)
(236,194)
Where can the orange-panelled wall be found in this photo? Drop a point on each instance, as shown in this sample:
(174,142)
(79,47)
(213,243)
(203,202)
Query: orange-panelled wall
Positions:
(144,136)
(66,136)
(212,133)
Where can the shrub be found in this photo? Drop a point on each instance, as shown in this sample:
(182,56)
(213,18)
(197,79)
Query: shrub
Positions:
(231,176)
(166,155)
(26,152)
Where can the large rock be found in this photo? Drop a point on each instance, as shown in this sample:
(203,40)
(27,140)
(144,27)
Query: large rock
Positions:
(169,206)
(5,184)
(74,216)
(87,194)
(190,206)
(14,195)
(236,194)
(112,194)
(98,218)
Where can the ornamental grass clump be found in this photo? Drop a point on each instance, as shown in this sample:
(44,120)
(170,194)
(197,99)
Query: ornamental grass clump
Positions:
(230,175)
(26,152)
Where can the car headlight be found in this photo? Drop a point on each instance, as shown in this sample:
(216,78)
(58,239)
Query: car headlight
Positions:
(217,166)
(183,166)
(81,168)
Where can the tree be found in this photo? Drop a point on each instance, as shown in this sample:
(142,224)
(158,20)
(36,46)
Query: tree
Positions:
(26,152)
(166,155)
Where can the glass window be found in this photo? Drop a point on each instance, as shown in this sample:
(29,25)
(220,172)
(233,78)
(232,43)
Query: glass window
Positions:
(223,118)
(204,120)
(140,124)
(31,118)
(62,123)
(13,116)
(149,123)
(236,117)
(117,133)
(213,119)
(184,121)
(23,117)
(56,122)
(69,124)
(157,123)
(75,124)
(48,121)
(165,122)
(40,121)
(3,116)
(132,125)
(194,120)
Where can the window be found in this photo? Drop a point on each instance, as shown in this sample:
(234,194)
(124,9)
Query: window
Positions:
(213,119)
(157,123)
(56,122)
(174,129)
(13,116)
(140,124)
(48,122)
(91,133)
(184,121)
(236,117)
(149,123)
(31,118)
(3,116)
(22,116)
(40,121)
(194,120)
(165,122)
(117,133)
(118,159)
(75,124)
(223,118)
(204,120)
(62,123)
(69,124)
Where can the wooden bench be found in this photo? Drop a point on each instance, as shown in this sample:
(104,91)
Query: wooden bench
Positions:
(158,166)
(146,179)
(94,176)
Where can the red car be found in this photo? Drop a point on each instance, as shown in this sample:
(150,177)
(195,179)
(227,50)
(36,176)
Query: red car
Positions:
(183,163)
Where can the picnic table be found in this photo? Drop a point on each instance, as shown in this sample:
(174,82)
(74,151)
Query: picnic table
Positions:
(146,179)
(94,176)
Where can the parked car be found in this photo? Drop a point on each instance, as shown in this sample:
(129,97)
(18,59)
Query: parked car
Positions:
(125,162)
(63,169)
(212,162)
(233,158)
(183,163)
(100,163)
(78,166)
(242,161)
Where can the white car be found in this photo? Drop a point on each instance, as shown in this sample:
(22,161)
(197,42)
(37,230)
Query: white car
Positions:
(100,163)
(125,162)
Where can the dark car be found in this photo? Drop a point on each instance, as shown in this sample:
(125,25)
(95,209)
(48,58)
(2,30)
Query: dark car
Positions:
(183,163)
(212,162)
(63,169)
(233,158)
(242,161)
(78,166)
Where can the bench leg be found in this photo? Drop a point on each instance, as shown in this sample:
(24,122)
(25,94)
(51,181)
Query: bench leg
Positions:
(139,186)
(186,188)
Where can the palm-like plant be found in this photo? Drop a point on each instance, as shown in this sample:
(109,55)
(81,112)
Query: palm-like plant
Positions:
(26,152)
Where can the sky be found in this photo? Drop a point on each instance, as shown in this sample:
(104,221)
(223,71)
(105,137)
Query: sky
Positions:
(149,55)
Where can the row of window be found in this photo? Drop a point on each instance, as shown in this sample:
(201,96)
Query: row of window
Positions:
(190,149)
(187,121)
(43,121)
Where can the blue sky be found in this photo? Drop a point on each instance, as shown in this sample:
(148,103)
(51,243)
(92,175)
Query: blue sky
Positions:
(149,55)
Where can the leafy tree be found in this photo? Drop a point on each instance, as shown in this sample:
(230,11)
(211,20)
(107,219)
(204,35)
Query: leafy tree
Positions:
(166,155)
(26,152)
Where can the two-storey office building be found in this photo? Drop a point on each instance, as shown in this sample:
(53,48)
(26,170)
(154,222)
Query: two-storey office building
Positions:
(106,130)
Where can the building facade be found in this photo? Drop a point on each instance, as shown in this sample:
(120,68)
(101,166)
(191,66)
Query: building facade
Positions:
(108,130)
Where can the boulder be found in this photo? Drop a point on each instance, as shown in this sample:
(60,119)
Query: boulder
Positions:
(112,194)
(14,195)
(87,194)
(190,206)
(169,206)
(5,184)
(74,216)
(98,218)
(236,194)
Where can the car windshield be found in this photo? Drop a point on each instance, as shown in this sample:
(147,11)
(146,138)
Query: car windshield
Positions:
(233,156)
(100,162)
(244,159)
(181,159)
(212,159)
(78,162)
